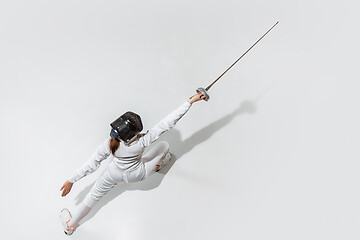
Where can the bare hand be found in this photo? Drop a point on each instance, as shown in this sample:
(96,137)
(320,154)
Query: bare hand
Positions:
(197,97)
(66,188)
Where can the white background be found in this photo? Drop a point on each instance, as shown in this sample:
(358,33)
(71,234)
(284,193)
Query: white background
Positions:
(272,155)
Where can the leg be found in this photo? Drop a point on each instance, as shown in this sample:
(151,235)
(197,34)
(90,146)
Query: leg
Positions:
(80,213)
(154,156)
(110,177)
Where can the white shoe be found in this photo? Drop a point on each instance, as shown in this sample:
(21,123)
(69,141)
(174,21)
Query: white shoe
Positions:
(164,161)
(65,217)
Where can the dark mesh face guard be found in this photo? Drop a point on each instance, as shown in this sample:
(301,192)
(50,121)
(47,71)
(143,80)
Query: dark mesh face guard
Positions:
(123,129)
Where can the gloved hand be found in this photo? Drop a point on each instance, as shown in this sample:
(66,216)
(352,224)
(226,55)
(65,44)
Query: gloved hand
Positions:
(197,97)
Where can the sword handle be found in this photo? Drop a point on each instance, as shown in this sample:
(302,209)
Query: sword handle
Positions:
(203,92)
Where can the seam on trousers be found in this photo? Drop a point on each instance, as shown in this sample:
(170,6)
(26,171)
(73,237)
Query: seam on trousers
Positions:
(125,177)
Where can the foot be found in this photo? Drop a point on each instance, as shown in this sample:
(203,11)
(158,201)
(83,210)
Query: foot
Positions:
(65,217)
(163,162)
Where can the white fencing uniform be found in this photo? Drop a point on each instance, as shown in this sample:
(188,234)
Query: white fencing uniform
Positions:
(128,164)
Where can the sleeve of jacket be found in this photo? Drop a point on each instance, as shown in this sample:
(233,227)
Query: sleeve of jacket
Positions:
(101,153)
(164,125)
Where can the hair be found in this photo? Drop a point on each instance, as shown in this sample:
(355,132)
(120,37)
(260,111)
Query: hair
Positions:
(135,120)
(114,145)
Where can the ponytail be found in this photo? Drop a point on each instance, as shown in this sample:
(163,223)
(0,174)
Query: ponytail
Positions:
(114,145)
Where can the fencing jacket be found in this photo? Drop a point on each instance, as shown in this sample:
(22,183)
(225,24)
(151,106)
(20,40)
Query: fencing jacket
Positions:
(128,158)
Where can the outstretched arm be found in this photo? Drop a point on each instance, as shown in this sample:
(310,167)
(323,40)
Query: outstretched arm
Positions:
(101,153)
(169,121)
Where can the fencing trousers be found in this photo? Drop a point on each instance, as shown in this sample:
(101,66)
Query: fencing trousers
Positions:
(113,175)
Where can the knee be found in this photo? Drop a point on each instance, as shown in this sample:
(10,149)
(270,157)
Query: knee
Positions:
(90,200)
(164,145)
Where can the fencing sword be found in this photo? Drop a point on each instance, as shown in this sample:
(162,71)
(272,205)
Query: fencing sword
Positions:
(205,91)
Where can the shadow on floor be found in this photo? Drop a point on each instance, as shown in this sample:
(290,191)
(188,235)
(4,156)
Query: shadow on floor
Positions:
(177,147)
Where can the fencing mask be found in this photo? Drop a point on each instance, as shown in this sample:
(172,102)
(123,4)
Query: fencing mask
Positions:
(126,127)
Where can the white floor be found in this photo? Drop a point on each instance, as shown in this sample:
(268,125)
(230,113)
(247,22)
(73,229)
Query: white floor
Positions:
(272,155)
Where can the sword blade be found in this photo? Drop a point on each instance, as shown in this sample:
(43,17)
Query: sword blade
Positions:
(208,87)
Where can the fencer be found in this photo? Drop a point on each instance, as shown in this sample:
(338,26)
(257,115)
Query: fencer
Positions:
(126,146)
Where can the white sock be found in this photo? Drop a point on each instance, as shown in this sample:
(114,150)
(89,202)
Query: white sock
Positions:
(79,214)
